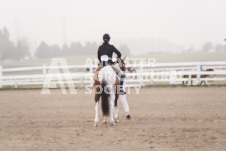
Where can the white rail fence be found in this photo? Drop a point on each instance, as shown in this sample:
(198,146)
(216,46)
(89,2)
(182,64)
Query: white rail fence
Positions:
(146,74)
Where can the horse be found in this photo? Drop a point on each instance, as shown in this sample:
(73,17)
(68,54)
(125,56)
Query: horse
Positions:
(107,87)
(194,76)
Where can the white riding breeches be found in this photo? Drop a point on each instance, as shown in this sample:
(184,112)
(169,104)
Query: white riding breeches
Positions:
(122,97)
(124,103)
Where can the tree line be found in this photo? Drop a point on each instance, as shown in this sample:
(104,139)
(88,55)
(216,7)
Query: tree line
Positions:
(75,48)
(12,50)
(19,50)
(208,46)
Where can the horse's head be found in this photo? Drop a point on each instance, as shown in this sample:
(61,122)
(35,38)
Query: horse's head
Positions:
(204,76)
(122,64)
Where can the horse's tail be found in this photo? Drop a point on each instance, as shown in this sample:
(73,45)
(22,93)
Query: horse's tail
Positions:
(104,99)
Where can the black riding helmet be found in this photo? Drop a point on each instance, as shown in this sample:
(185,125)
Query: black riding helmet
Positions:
(106,37)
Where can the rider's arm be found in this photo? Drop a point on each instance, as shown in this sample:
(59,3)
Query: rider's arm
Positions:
(98,54)
(117,52)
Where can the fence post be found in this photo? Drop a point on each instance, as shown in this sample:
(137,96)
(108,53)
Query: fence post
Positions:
(173,76)
(44,70)
(189,79)
(15,83)
(1,77)
(152,78)
(198,69)
(91,72)
(141,73)
(44,73)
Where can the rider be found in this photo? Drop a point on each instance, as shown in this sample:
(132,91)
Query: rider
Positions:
(105,53)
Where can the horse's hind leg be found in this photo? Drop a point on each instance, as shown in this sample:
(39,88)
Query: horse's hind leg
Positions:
(116,109)
(96,120)
(202,82)
(112,100)
(186,83)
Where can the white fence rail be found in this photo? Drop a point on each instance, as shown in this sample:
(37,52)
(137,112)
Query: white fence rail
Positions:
(168,73)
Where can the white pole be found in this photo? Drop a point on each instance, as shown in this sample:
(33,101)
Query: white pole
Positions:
(141,73)
(173,76)
(1,77)
(44,70)
(198,69)
(189,79)
(91,72)
(15,83)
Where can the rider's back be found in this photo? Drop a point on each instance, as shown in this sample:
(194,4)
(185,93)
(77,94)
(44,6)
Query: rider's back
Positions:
(107,49)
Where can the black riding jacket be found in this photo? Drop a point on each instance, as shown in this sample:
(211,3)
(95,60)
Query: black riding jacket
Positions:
(107,49)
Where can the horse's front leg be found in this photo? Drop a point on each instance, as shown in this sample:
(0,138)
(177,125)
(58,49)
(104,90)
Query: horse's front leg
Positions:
(112,100)
(96,120)
(201,82)
(205,82)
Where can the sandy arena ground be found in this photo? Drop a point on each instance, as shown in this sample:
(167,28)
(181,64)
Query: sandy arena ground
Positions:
(165,118)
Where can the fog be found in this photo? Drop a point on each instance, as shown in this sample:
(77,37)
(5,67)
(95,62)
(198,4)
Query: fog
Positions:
(144,26)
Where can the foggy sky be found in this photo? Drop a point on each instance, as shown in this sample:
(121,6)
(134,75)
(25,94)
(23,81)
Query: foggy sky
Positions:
(184,22)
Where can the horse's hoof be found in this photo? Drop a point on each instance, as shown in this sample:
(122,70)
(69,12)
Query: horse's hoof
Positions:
(95,125)
(96,120)
(104,121)
(116,120)
(128,117)
(113,124)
